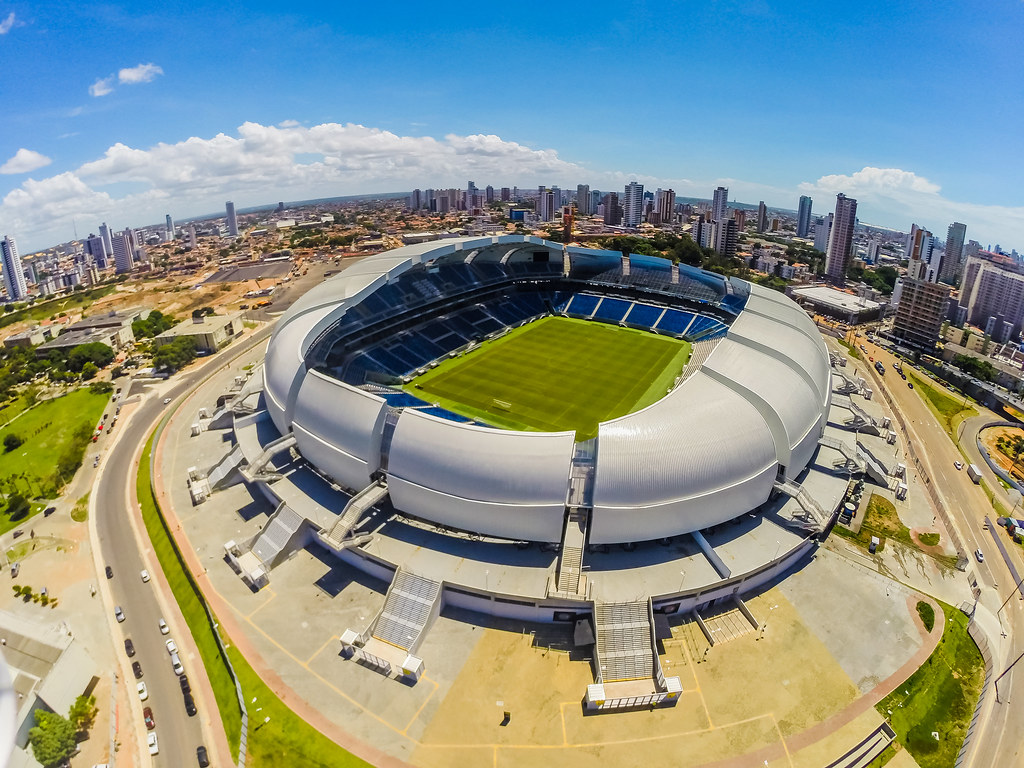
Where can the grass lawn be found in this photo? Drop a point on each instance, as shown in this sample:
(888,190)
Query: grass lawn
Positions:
(881,520)
(286,739)
(12,409)
(851,350)
(557,374)
(939,697)
(80,512)
(949,409)
(48,430)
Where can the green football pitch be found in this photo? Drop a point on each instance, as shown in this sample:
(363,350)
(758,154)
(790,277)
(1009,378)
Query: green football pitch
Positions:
(556,374)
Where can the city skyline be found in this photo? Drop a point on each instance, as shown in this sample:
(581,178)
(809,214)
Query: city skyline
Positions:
(153,130)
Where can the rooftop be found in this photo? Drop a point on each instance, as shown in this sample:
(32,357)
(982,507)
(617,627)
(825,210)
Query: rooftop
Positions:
(838,299)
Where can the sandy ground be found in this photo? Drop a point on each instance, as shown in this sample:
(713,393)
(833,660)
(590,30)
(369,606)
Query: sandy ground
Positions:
(990,437)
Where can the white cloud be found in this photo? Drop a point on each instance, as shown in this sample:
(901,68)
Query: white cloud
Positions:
(102,86)
(261,163)
(897,198)
(143,73)
(7,24)
(24,161)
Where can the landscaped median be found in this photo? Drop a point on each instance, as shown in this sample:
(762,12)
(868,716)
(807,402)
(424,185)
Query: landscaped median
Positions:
(276,735)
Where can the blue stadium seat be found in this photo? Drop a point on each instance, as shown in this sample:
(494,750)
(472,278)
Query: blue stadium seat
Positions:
(643,315)
(612,310)
(674,321)
(582,305)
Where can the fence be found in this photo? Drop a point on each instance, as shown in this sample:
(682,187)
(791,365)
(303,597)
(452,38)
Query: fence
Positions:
(966,751)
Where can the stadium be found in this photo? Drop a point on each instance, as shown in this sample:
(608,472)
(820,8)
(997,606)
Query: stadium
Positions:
(547,433)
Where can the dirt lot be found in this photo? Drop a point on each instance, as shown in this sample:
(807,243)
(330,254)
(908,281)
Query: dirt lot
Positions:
(990,437)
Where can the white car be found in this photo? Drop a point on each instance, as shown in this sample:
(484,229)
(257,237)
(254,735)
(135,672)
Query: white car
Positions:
(154,745)
(171,647)
(145,576)
(143,691)
(979,555)
(164,629)
(167,401)
(958,464)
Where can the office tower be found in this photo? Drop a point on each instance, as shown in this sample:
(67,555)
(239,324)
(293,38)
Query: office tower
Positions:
(470,189)
(232,220)
(837,258)
(14,273)
(107,241)
(415,200)
(726,237)
(170,227)
(665,205)
(583,199)
(762,217)
(595,200)
(506,195)
(822,229)
(489,193)
(124,251)
(632,205)
(719,204)
(950,266)
(612,210)
(803,217)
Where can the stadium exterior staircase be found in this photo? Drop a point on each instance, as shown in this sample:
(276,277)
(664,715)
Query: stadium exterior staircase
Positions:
(279,537)
(411,604)
(256,469)
(862,420)
(625,642)
(339,536)
(816,517)
(224,468)
(860,459)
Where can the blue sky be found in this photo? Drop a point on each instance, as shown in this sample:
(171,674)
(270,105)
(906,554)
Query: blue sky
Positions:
(122,112)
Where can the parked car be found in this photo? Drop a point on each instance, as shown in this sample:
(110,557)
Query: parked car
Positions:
(137,669)
(190,705)
(163,627)
(171,647)
(15,570)
(183,682)
(18,533)
(143,691)
(118,614)
(129,647)
(49,511)
(110,572)
(147,713)
(176,664)
(202,757)
(154,745)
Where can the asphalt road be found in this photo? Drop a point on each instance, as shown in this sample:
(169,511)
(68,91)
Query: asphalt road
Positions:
(178,734)
(1001,742)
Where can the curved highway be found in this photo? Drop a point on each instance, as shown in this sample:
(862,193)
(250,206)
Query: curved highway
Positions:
(118,548)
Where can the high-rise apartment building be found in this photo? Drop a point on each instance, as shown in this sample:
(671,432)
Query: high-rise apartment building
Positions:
(612,210)
(633,205)
(546,205)
(726,237)
(992,291)
(169,229)
(837,258)
(740,217)
(720,204)
(822,230)
(415,200)
(14,273)
(762,217)
(124,251)
(506,194)
(921,310)
(108,244)
(583,200)
(803,217)
(489,194)
(665,205)
(232,221)
(956,234)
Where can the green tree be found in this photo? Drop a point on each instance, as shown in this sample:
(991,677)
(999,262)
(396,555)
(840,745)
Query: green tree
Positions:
(17,506)
(83,713)
(89,371)
(52,738)
(96,353)
(11,441)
